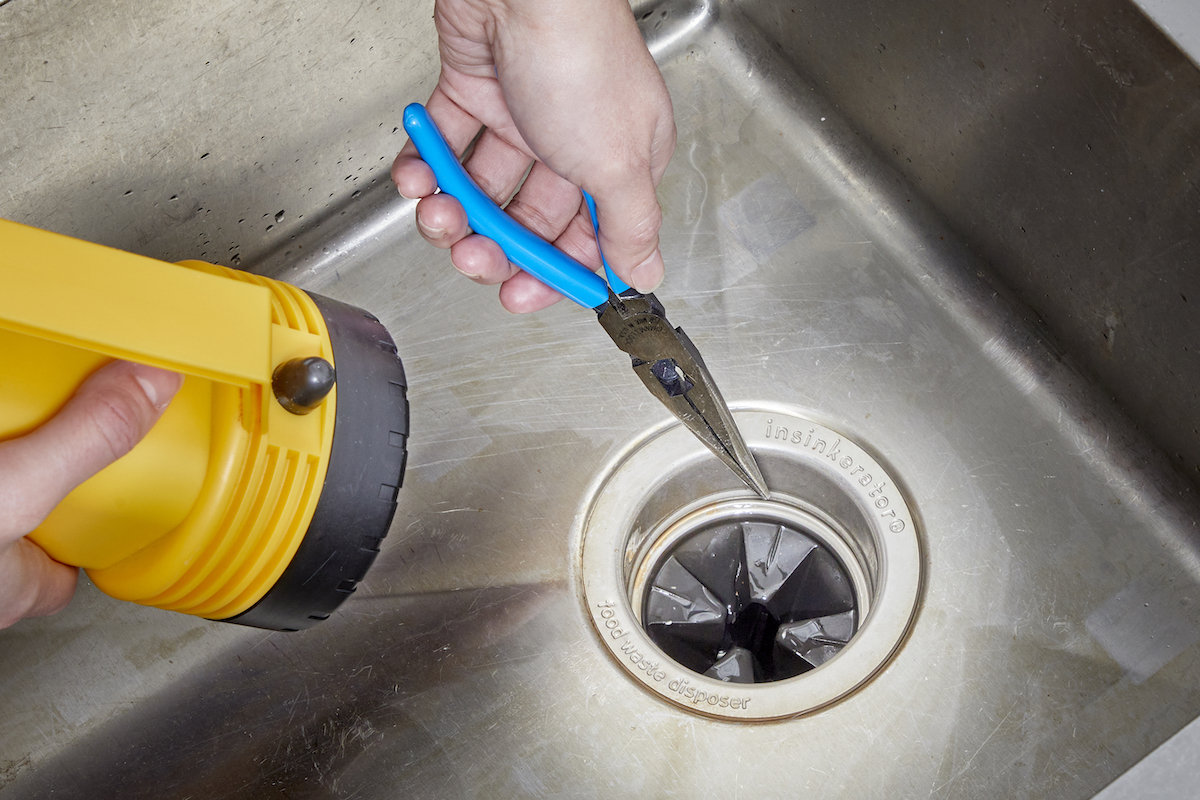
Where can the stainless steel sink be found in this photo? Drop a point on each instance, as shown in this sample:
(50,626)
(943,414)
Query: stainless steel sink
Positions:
(963,235)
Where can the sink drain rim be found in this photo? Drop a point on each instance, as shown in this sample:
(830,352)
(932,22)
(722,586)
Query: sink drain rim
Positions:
(607,523)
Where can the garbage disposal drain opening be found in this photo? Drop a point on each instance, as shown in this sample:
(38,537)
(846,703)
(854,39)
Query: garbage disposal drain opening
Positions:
(750,592)
(735,607)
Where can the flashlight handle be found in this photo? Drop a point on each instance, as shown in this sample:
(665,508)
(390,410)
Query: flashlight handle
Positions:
(131,307)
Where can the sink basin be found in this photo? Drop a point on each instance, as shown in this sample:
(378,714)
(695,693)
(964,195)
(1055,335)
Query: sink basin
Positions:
(961,236)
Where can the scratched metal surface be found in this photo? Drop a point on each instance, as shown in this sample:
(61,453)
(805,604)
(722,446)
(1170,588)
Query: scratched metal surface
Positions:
(1056,642)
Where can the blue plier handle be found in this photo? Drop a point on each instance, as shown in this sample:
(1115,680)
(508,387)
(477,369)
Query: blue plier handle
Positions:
(528,251)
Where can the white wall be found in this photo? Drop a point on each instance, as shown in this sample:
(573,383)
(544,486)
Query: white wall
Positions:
(1180,19)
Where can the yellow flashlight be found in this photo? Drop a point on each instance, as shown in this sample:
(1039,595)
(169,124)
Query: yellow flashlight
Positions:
(262,494)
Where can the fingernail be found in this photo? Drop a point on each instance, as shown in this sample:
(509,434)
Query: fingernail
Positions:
(160,385)
(473,276)
(648,275)
(430,232)
(402,194)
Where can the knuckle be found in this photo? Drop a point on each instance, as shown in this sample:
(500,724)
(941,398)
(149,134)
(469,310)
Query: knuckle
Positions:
(117,420)
(533,218)
(19,595)
(8,617)
(637,238)
(644,233)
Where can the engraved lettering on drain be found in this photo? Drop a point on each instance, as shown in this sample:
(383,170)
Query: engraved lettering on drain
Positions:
(609,621)
(607,611)
(864,478)
(629,649)
(699,697)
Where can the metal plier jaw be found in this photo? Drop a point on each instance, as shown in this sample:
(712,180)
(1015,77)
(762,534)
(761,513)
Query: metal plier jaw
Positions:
(671,368)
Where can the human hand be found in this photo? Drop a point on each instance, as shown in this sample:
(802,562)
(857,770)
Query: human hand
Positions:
(107,416)
(569,86)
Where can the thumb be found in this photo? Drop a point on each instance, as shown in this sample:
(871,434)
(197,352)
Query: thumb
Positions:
(109,414)
(630,219)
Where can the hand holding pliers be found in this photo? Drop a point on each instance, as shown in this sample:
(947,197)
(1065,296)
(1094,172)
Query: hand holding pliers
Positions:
(663,356)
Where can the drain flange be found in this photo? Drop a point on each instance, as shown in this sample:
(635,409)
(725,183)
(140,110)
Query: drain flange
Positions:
(742,608)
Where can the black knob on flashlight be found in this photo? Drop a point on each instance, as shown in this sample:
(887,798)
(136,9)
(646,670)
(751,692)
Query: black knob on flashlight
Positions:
(302,383)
